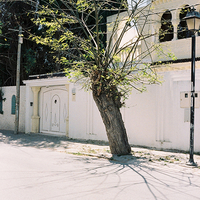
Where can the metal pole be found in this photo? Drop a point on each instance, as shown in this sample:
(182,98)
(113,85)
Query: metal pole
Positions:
(191,159)
(18,82)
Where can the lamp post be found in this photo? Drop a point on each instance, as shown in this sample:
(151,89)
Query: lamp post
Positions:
(193,21)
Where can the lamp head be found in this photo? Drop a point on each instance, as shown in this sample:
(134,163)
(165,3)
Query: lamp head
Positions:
(193,20)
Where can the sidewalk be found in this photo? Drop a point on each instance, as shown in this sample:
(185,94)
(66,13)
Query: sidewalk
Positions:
(98,149)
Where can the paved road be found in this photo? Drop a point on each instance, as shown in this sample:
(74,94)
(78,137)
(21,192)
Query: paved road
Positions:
(29,173)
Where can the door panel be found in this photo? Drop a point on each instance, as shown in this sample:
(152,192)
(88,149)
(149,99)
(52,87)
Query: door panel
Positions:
(46,111)
(55,113)
(54,110)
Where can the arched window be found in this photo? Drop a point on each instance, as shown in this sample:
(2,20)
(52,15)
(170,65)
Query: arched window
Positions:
(1,106)
(13,105)
(182,28)
(166,32)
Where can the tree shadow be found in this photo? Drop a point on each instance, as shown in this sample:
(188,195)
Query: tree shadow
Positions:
(135,179)
(160,182)
(124,177)
(139,179)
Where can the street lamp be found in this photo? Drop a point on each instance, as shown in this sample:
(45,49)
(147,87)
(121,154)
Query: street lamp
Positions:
(193,21)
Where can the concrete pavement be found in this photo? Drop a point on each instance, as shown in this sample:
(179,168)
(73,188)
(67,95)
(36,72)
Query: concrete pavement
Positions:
(37,167)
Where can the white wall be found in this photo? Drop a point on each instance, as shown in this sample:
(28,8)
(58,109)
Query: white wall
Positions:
(84,118)
(153,118)
(7,120)
(181,48)
(156,119)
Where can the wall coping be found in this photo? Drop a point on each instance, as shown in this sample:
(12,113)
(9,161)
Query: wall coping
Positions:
(53,81)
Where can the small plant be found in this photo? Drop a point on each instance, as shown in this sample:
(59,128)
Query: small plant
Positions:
(167,158)
(92,151)
(176,159)
(78,154)
(107,150)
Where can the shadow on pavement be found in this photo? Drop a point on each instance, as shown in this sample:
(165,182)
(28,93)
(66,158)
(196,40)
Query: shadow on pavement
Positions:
(125,177)
(40,140)
(135,179)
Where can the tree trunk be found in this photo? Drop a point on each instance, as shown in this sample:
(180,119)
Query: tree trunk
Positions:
(112,119)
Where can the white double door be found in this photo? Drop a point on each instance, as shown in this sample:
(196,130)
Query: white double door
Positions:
(54,110)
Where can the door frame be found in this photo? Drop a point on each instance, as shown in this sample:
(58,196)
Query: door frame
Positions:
(48,89)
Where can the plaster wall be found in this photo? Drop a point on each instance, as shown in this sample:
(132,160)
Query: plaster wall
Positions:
(7,120)
(154,118)
(181,48)
(84,119)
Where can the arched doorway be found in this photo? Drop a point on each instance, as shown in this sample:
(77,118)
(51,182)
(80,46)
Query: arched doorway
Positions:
(54,110)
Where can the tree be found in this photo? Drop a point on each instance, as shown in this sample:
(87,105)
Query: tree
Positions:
(78,30)
(35,59)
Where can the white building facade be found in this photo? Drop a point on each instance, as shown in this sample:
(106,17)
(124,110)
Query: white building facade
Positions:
(157,118)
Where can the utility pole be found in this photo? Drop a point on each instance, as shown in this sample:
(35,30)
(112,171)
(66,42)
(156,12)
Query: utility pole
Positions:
(20,41)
